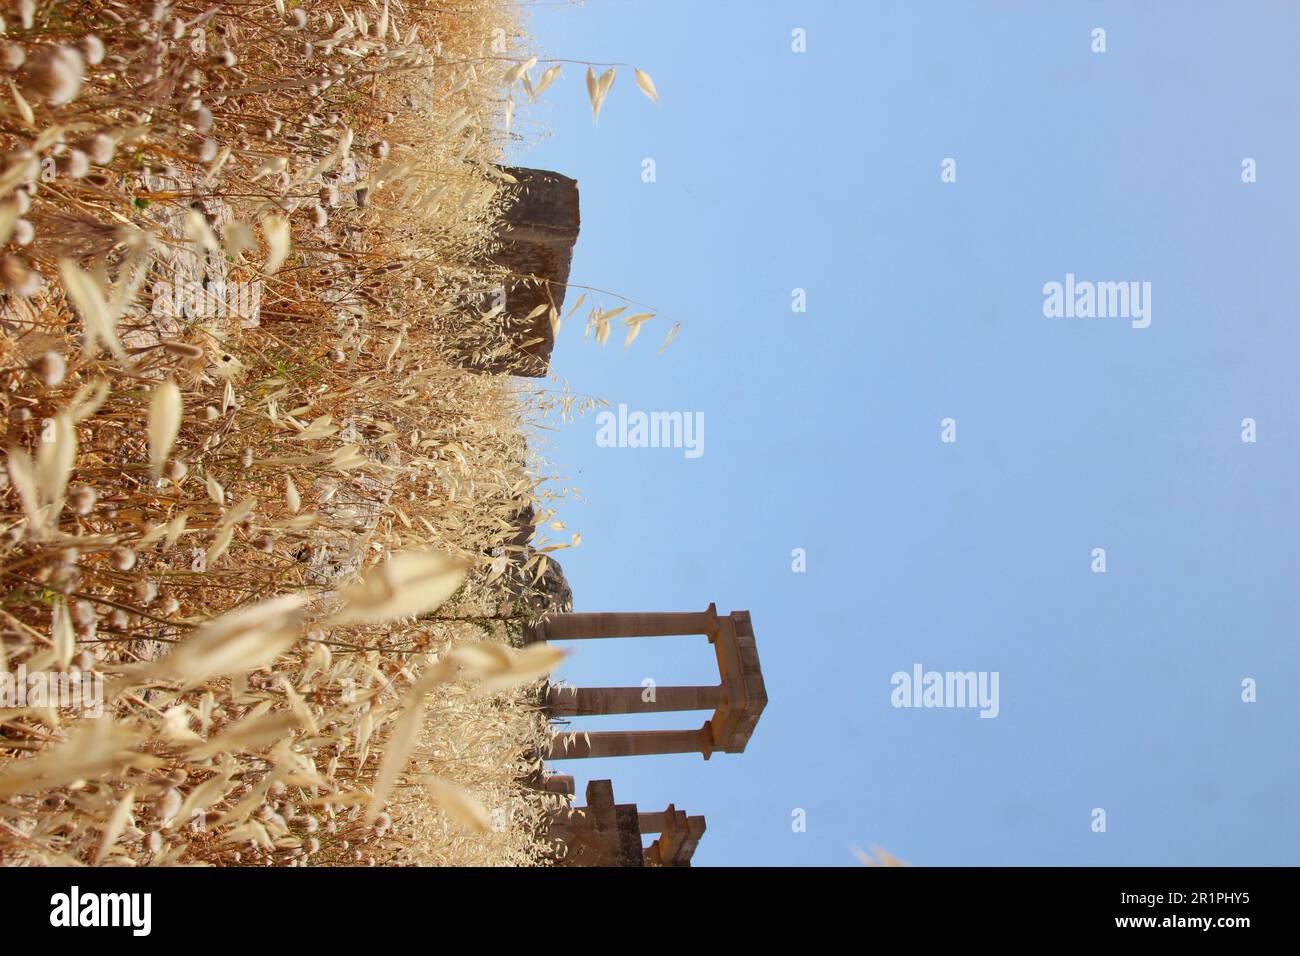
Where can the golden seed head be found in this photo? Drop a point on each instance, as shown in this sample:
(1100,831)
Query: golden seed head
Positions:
(92,49)
(50,368)
(11,56)
(83,499)
(74,164)
(55,74)
(145,591)
(65,578)
(100,148)
(200,118)
(83,614)
(123,559)
(17,278)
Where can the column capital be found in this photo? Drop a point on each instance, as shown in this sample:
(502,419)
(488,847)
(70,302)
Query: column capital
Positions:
(711,615)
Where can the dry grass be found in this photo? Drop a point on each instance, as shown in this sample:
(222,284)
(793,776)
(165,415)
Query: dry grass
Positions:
(333,434)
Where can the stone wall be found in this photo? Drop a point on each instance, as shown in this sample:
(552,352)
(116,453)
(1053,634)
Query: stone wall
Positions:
(535,236)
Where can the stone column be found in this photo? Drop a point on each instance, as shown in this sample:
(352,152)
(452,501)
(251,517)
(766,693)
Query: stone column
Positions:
(572,627)
(583,701)
(679,837)
(631,743)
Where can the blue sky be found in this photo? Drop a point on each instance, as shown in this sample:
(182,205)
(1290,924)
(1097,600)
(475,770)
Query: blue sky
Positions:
(821,170)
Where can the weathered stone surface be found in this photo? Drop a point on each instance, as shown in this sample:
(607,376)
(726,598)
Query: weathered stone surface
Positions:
(536,235)
(679,836)
(602,833)
(605,833)
(549,594)
(552,593)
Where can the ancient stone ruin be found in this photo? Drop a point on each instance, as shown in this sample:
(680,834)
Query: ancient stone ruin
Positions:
(604,833)
(536,235)
(736,702)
